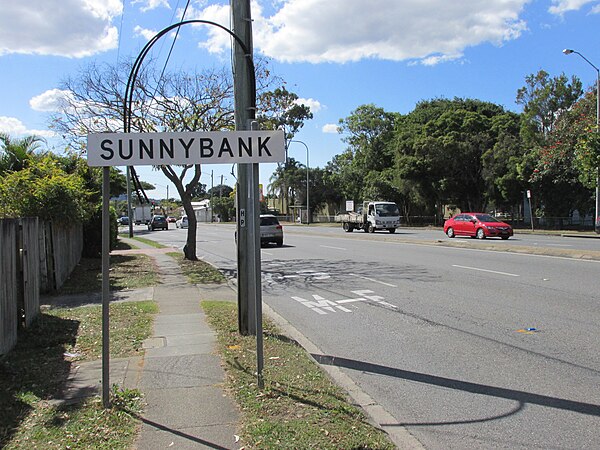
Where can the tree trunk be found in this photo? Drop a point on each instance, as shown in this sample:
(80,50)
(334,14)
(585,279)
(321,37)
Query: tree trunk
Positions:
(189,249)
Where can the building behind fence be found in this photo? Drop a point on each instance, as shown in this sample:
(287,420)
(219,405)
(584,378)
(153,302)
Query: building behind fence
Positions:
(35,257)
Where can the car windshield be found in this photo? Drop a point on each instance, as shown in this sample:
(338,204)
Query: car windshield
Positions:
(266,221)
(387,210)
(486,218)
(159,218)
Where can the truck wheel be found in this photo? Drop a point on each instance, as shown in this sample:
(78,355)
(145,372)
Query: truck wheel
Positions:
(347,227)
(371,228)
(392,230)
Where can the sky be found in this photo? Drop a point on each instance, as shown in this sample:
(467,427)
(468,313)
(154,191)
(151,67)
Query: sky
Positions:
(336,55)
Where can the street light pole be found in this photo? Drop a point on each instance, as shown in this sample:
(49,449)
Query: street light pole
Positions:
(307,192)
(568,51)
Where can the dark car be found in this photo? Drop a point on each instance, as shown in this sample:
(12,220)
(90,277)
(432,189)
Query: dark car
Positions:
(123,220)
(479,225)
(158,222)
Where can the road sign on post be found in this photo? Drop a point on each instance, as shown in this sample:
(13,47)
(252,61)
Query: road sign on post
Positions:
(157,149)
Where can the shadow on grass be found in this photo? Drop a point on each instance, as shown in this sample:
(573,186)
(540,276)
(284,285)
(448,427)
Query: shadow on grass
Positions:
(36,369)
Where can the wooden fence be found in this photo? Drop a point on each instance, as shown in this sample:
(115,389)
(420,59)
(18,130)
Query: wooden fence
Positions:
(34,257)
(8,284)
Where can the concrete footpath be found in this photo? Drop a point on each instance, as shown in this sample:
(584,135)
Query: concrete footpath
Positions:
(180,374)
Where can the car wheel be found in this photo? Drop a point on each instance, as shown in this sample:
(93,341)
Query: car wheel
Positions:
(450,232)
(392,230)
(480,233)
(279,243)
(371,228)
(504,237)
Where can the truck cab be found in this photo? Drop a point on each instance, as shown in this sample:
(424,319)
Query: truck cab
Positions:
(371,216)
(381,216)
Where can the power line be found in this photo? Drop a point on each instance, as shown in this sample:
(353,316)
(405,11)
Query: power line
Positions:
(171,49)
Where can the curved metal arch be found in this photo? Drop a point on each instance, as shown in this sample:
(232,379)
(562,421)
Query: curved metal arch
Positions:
(128,97)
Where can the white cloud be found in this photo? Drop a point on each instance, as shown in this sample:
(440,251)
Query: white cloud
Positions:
(330,128)
(314,105)
(49,101)
(71,28)
(341,31)
(144,32)
(149,5)
(15,128)
(218,42)
(559,7)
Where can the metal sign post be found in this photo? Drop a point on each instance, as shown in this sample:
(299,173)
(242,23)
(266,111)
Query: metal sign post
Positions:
(105,286)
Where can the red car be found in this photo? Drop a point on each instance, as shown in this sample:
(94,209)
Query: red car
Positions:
(479,225)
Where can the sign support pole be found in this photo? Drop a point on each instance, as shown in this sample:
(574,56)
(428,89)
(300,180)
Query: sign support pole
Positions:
(248,220)
(105,286)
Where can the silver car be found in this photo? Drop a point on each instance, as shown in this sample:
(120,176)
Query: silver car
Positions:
(270,230)
(182,223)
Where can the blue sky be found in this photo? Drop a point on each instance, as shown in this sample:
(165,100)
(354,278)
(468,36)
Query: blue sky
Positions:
(335,54)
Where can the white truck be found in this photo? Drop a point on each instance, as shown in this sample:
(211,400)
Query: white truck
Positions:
(370,217)
(142,214)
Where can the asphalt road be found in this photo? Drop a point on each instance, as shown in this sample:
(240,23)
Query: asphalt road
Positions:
(466,346)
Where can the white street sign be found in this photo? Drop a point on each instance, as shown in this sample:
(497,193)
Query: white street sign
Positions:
(157,149)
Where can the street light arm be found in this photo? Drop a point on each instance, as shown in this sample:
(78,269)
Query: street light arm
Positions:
(568,51)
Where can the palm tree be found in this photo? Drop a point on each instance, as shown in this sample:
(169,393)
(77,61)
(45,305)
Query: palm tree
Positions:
(286,181)
(14,153)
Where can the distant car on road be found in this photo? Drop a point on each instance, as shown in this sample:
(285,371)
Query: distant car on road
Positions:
(477,225)
(158,222)
(270,230)
(182,223)
(171,219)
(123,220)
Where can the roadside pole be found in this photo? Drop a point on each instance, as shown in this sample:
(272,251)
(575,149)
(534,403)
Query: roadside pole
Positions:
(530,209)
(105,286)
(244,86)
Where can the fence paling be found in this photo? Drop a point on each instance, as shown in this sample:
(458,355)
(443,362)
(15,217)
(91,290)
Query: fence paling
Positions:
(8,285)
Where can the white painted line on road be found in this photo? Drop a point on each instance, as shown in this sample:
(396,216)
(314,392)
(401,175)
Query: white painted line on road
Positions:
(335,248)
(485,270)
(373,280)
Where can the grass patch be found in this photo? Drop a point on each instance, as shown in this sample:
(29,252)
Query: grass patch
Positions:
(126,272)
(299,407)
(198,272)
(35,371)
(144,241)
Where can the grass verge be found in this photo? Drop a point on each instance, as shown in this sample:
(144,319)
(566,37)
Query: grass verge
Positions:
(126,272)
(35,371)
(149,242)
(299,407)
(198,272)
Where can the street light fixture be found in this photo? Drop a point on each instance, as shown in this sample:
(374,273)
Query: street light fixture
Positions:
(568,51)
(307,202)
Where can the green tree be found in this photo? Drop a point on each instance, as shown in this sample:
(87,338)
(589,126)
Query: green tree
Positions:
(440,148)
(365,169)
(15,153)
(552,127)
(45,190)
(544,99)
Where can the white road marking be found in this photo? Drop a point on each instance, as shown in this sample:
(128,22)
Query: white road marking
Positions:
(373,280)
(485,270)
(335,248)
(322,306)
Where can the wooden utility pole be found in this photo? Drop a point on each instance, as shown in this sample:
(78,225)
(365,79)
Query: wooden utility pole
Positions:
(248,227)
